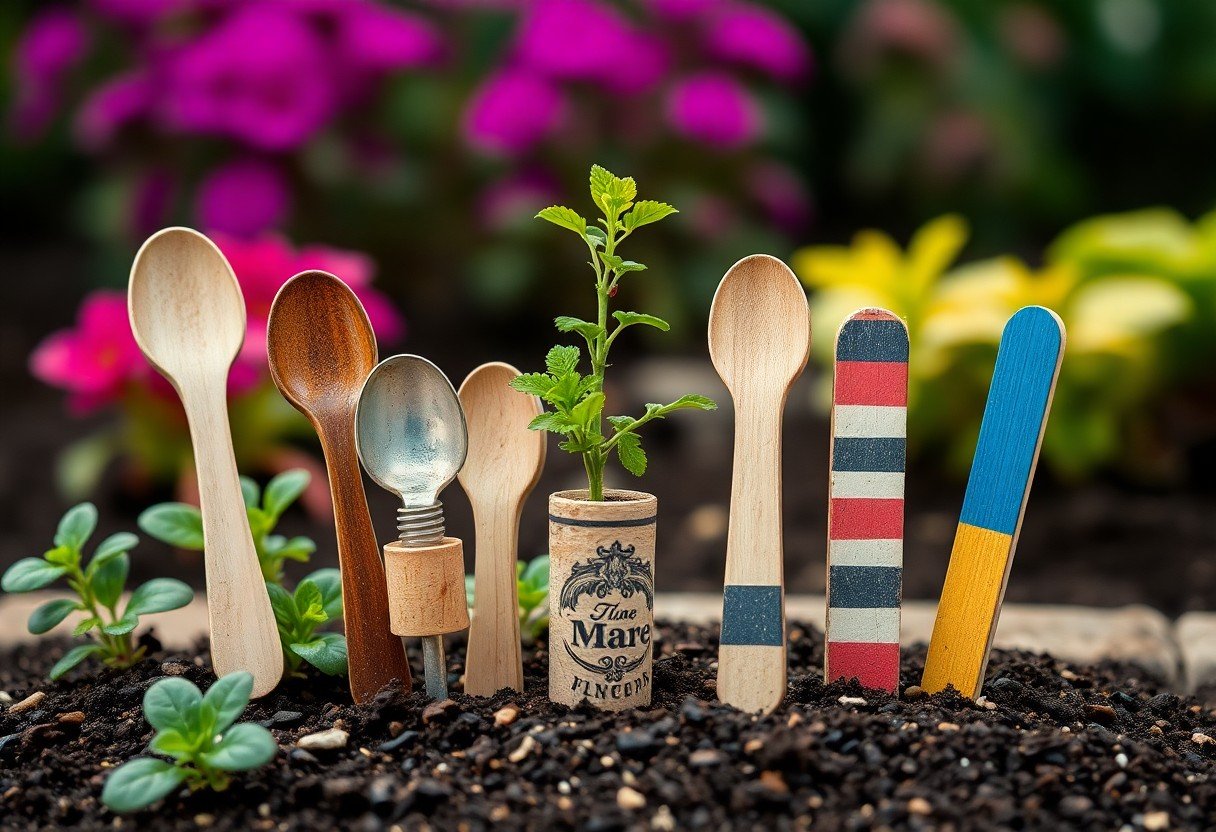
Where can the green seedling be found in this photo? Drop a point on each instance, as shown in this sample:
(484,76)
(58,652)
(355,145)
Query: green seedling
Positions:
(98,586)
(197,732)
(532,588)
(577,401)
(317,601)
(181,525)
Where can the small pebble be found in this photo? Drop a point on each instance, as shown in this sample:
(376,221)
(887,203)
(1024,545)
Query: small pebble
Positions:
(6,698)
(174,668)
(919,806)
(71,718)
(1121,760)
(752,746)
(28,703)
(1197,738)
(1156,821)
(984,703)
(522,750)
(947,726)
(438,710)
(663,820)
(1102,714)
(914,692)
(705,757)
(630,799)
(324,740)
(204,820)
(506,715)
(852,700)
(774,782)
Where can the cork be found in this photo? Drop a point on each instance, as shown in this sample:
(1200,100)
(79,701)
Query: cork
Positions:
(426,588)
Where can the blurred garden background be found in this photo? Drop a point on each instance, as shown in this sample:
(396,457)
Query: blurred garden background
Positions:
(951,160)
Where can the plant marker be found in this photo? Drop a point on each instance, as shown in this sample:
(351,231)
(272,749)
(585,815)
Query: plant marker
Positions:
(1019,400)
(866,500)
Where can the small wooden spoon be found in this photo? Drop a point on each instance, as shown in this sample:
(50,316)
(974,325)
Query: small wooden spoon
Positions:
(188,317)
(321,348)
(504,463)
(759,341)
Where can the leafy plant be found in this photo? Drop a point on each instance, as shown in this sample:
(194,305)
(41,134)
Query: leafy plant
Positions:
(197,732)
(532,588)
(181,525)
(316,601)
(98,586)
(578,400)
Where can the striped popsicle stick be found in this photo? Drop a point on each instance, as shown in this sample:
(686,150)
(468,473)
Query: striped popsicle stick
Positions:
(866,500)
(1019,400)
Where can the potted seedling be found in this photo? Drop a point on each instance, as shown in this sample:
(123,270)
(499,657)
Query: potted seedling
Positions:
(601,541)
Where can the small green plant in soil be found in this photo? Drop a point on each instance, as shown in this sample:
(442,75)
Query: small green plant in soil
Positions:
(317,599)
(98,587)
(532,588)
(577,400)
(198,733)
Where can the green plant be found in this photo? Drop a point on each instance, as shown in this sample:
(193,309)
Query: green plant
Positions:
(532,589)
(98,587)
(316,601)
(181,525)
(198,733)
(578,400)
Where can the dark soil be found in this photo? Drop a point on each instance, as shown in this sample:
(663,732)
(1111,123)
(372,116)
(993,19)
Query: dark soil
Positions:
(1099,748)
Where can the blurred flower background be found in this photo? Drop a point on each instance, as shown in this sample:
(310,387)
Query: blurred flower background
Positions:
(947,159)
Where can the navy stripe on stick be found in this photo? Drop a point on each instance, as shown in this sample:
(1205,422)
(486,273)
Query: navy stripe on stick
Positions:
(867,454)
(864,587)
(752,615)
(872,340)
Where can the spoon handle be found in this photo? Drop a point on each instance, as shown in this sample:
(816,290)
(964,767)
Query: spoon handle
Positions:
(243,631)
(751,660)
(494,660)
(375,656)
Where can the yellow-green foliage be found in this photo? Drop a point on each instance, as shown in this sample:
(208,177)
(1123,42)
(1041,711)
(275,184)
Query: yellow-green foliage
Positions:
(1137,293)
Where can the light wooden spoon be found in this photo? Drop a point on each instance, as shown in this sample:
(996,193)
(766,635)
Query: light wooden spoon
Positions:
(321,348)
(188,317)
(759,341)
(504,463)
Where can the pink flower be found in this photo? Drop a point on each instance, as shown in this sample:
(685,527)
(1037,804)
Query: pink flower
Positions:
(512,111)
(756,37)
(53,43)
(111,107)
(713,108)
(244,198)
(95,360)
(380,39)
(573,40)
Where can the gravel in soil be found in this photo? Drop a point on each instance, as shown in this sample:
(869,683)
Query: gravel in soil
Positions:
(1048,747)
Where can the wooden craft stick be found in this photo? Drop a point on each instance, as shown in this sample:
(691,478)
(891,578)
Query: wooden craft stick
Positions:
(1019,400)
(866,500)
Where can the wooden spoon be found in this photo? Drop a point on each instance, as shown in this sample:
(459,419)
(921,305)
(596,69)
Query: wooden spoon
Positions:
(188,317)
(504,463)
(759,341)
(321,348)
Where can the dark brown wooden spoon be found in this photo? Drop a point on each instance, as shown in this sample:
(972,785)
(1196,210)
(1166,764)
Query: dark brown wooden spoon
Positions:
(321,348)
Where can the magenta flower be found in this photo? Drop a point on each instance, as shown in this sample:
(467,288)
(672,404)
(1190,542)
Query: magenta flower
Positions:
(512,111)
(756,37)
(378,39)
(573,40)
(111,107)
(95,360)
(244,198)
(713,108)
(262,76)
(53,43)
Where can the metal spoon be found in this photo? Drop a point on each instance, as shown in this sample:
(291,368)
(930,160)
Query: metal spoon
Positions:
(412,439)
(188,317)
(321,348)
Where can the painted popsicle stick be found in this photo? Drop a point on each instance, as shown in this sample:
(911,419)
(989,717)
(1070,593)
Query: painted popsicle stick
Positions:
(866,500)
(1019,400)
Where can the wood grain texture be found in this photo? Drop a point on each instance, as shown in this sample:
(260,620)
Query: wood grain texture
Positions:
(321,347)
(188,317)
(426,588)
(503,465)
(866,500)
(759,341)
(1019,401)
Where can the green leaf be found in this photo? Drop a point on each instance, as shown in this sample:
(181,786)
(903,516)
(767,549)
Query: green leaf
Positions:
(627,266)
(596,236)
(553,422)
(588,330)
(173,703)
(585,413)
(77,526)
(564,217)
(568,390)
(327,653)
(62,556)
(113,546)
(562,361)
(29,574)
(173,743)
(139,783)
(629,450)
(534,384)
(85,625)
(468,590)
(284,490)
(250,492)
(283,605)
(329,582)
(308,602)
(72,658)
(110,578)
(174,523)
(228,697)
(631,318)
(159,595)
(50,615)
(242,748)
(612,261)
(646,212)
(692,400)
(537,572)
(601,181)
(122,626)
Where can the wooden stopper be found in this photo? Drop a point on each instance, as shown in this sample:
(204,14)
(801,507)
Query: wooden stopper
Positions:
(601,598)
(426,588)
